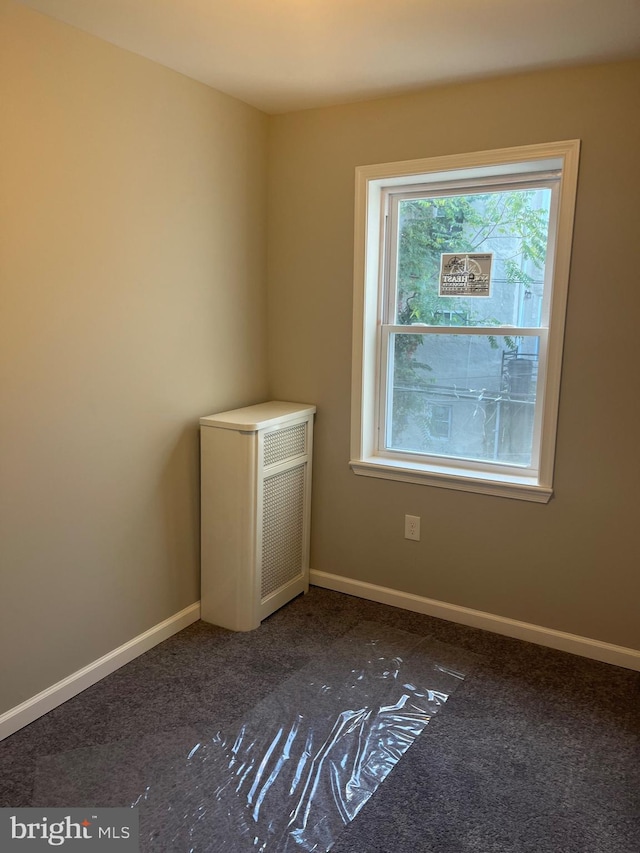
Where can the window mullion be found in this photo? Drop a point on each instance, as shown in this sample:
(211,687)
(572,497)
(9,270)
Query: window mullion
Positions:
(492,331)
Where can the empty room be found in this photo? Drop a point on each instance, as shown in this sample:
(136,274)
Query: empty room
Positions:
(319,411)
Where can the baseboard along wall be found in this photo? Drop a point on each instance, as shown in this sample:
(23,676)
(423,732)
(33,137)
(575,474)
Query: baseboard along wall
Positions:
(16,718)
(583,646)
(28,711)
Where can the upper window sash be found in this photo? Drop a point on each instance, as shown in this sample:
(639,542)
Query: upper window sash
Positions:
(390,201)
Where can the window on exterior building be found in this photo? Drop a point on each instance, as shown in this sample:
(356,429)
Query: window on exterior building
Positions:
(439,421)
(460,289)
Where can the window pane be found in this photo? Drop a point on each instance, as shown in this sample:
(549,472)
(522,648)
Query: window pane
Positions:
(513,225)
(463,396)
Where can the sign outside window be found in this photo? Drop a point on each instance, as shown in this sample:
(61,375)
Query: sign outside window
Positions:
(465,274)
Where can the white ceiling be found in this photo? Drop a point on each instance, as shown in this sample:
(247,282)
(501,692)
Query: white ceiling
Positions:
(282,55)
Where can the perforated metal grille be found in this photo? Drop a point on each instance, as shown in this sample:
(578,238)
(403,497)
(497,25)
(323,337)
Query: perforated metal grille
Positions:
(282,528)
(284,444)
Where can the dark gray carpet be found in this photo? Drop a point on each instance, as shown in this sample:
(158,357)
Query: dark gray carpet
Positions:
(536,752)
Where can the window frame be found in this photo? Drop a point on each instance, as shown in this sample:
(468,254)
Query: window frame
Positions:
(479,169)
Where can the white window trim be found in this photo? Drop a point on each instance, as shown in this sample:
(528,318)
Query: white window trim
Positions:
(366,460)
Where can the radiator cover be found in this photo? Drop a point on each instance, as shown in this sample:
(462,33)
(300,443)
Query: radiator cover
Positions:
(255,514)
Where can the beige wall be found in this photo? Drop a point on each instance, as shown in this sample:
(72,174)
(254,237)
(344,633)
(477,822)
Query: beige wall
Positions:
(573,564)
(132,262)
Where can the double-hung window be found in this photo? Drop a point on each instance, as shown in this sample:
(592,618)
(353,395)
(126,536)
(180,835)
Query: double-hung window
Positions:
(461,274)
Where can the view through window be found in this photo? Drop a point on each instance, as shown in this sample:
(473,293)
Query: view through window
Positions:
(487,380)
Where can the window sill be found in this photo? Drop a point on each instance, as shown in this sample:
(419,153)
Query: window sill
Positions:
(504,486)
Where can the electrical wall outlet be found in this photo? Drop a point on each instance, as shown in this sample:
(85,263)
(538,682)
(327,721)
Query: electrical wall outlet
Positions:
(412,527)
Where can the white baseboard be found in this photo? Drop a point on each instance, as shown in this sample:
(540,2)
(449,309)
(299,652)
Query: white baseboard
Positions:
(594,649)
(55,695)
(16,718)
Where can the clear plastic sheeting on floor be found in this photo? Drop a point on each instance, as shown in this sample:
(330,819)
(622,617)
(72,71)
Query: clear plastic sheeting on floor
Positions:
(306,759)
(292,772)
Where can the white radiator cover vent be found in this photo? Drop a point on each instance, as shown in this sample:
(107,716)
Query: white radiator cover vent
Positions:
(282,529)
(256,499)
(282,444)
